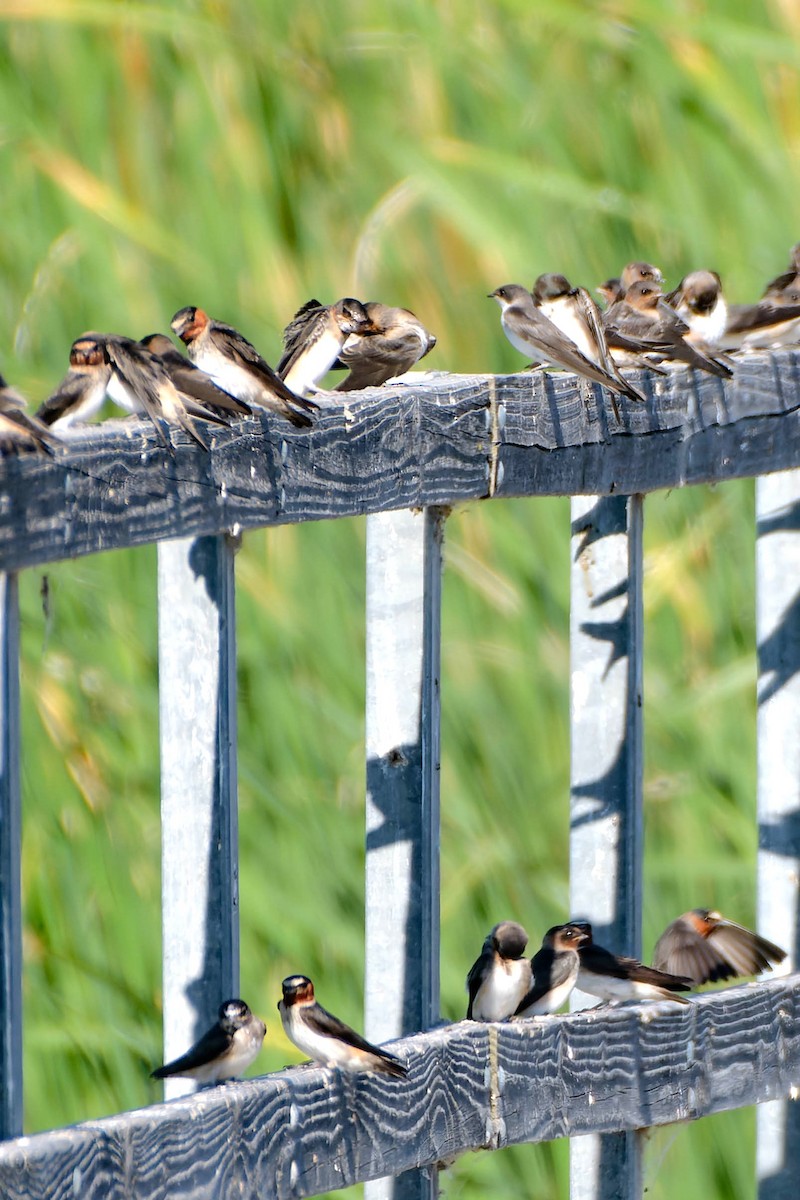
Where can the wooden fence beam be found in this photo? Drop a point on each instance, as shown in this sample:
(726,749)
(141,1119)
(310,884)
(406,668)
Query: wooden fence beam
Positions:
(778,636)
(606,772)
(199,842)
(404,570)
(445,440)
(470,1086)
(10,899)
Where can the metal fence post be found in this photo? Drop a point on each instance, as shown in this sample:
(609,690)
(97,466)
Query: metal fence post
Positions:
(10,899)
(404,567)
(606,773)
(197,701)
(778,636)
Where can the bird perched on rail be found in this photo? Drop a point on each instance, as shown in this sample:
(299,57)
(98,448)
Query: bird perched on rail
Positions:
(554,970)
(18,429)
(501,976)
(643,314)
(191,382)
(394,341)
(536,336)
(80,394)
(699,301)
(224,1051)
(326,1039)
(615,977)
(236,366)
(705,947)
(781,282)
(314,338)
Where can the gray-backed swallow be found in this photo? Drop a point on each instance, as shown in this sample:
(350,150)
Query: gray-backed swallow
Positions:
(574,312)
(81,393)
(236,366)
(699,301)
(767,325)
(787,277)
(555,971)
(535,336)
(191,382)
(141,383)
(393,343)
(18,429)
(615,978)
(637,272)
(644,315)
(314,338)
(705,946)
(501,976)
(224,1051)
(326,1039)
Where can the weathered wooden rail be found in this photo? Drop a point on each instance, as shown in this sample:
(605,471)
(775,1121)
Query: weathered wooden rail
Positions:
(405,454)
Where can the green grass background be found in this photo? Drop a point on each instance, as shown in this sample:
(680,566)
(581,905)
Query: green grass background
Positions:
(243,156)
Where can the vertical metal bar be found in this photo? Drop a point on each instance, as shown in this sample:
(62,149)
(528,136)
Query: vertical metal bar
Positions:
(197,702)
(778,635)
(606,771)
(10,900)
(404,568)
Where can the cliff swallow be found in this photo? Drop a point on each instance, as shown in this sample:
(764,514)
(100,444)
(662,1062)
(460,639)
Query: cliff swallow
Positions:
(638,272)
(313,340)
(191,382)
(767,325)
(574,312)
(18,429)
(141,383)
(500,978)
(395,341)
(555,971)
(224,1051)
(236,366)
(81,393)
(535,336)
(704,946)
(643,315)
(787,277)
(326,1039)
(611,291)
(699,301)
(614,977)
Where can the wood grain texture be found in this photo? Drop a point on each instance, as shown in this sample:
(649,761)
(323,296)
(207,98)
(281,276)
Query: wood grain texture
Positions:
(449,438)
(470,1086)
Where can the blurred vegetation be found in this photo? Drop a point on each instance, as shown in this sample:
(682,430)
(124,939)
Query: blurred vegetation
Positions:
(244,155)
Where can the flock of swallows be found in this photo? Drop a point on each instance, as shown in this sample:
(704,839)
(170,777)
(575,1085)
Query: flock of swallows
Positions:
(555,324)
(699,947)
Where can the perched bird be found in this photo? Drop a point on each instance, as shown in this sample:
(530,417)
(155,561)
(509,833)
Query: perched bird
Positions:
(313,340)
(767,325)
(224,1051)
(191,382)
(637,272)
(699,301)
(81,392)
(535,336)
(611,291)
(555,971)
(500,978)
(614,977)
(395,341)
(326,1039)
(574,312)
(236,366)
(18,429)
(140,382)
(705,946)
(787,277)
(643,315)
